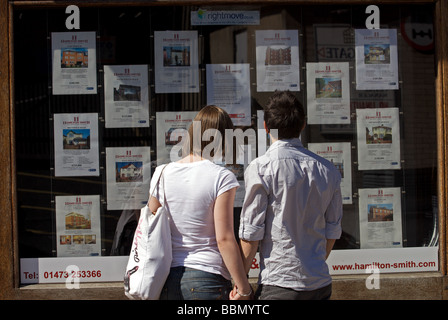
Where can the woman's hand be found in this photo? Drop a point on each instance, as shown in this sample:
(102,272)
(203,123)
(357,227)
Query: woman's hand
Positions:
(235,294)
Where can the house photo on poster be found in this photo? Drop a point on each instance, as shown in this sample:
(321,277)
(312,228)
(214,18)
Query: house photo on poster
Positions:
(78,227)
(378,133)
(126,96)
(339,154)
(74,63)
(171,129)
(277,55)
(328,93)
(380,218)
(376,59)
(128,174)
(76,151)
(176,61)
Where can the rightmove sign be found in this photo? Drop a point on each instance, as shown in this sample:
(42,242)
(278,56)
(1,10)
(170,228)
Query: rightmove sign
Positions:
(204,17)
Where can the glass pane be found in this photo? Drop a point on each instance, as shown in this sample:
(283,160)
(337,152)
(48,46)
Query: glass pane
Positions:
(132,38)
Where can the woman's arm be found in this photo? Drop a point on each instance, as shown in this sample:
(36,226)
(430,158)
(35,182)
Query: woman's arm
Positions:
(153,204)
(248,252)
(225,236)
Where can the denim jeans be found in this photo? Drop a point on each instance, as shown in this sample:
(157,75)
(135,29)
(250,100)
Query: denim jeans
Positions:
(190,284)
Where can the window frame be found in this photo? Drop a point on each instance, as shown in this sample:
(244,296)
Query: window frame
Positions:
(9,269)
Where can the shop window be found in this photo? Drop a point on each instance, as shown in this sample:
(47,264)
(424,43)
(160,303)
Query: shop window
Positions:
(96,109)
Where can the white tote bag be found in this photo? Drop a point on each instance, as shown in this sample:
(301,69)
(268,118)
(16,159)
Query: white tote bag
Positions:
(151,255)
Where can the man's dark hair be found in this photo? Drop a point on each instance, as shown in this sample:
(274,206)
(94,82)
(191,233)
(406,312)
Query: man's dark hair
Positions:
(285,113)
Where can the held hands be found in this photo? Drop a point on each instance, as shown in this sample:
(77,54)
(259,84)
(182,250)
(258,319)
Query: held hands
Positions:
(235,294)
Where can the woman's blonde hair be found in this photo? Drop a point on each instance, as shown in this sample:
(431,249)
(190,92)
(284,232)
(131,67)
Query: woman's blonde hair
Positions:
(212,120)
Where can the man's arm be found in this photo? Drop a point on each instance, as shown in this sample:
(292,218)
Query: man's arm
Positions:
(333,218)
(330,244)
(253,213)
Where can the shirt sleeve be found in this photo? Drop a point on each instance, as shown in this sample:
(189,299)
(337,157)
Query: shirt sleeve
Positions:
(226,181)
(252,220)
(333,215)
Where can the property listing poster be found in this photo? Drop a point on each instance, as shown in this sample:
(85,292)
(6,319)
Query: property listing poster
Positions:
(74,62)
(126,96)
(376,59)
(228,87)
(338,153)
(176,61)
(128,173)
(76,144)
(171,128)
(328,93)
(380,218)
(78,228)
(277,54)
(378,133)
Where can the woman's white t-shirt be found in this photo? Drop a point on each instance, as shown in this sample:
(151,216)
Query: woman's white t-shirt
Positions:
(191,190)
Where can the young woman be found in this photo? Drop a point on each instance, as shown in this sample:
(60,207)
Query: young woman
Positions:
(199,195)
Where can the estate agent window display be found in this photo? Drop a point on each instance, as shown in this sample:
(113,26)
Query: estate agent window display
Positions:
(97,108)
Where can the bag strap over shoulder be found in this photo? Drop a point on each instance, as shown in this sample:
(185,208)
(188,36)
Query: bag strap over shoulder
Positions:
(158,180)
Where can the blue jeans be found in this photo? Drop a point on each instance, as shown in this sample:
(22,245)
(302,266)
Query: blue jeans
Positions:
(185,283)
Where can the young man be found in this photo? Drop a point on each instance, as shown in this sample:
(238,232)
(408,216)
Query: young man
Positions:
(292,209)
